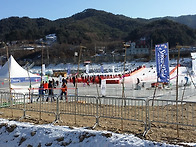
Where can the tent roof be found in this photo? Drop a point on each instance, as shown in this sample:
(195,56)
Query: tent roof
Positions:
(16,71)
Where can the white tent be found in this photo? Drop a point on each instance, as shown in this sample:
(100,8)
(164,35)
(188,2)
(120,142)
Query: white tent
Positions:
(19,77)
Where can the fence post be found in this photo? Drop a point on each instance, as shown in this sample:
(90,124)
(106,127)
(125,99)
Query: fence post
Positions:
(147,123)
(77,94)
(97,113)
(57,109)
(40,113)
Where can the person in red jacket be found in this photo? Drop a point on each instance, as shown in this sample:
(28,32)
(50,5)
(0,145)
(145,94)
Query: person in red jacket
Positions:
(46,87)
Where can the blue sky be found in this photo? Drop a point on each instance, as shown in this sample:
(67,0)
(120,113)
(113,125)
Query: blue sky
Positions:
(54,9)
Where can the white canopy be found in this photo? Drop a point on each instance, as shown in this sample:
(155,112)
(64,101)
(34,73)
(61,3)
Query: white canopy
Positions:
(18,75)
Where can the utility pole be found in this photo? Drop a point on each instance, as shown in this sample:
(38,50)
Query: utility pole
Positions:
(178,47)
(76,88)
(123,85)
(48,57)
(42,63)
(151,49)
(8,61)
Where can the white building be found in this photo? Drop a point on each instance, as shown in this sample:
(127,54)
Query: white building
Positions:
(51,38)
(137,49)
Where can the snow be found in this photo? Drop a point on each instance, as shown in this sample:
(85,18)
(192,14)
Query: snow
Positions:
(26,134)
(108,67)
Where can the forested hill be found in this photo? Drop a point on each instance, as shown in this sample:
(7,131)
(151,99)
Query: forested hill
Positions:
(93,27)
(189,20)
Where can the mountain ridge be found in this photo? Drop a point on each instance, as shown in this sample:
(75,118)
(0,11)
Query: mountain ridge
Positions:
(97,28)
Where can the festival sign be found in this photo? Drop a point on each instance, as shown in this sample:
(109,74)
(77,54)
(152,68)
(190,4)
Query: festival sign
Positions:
(162,62)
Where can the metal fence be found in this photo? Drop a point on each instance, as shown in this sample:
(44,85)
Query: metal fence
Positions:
(130,109)
(12,100)
(172,112)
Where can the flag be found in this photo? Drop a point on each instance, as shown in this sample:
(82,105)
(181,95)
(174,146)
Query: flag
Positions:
(193,55)
(162,62)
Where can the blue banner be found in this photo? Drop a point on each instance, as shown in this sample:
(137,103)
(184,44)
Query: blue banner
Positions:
(25,79)
(162,62)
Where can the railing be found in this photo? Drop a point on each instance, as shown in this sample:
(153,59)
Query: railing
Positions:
(129,109)
(12,100)
(169,112)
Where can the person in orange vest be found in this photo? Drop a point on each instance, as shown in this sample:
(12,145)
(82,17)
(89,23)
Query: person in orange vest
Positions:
(46,87)
(63,91)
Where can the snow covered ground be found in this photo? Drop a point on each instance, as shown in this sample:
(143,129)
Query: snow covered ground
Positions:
(13,134)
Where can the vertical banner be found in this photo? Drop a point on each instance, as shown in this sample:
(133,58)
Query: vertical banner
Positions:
(162,62)
(113,69)
(103,87)
(43,69)
(193,55)
(87,69)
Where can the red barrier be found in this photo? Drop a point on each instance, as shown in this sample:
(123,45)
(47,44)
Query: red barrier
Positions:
(112,81)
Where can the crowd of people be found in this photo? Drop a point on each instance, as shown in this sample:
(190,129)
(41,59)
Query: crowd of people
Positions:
(87,79)
(47,90)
